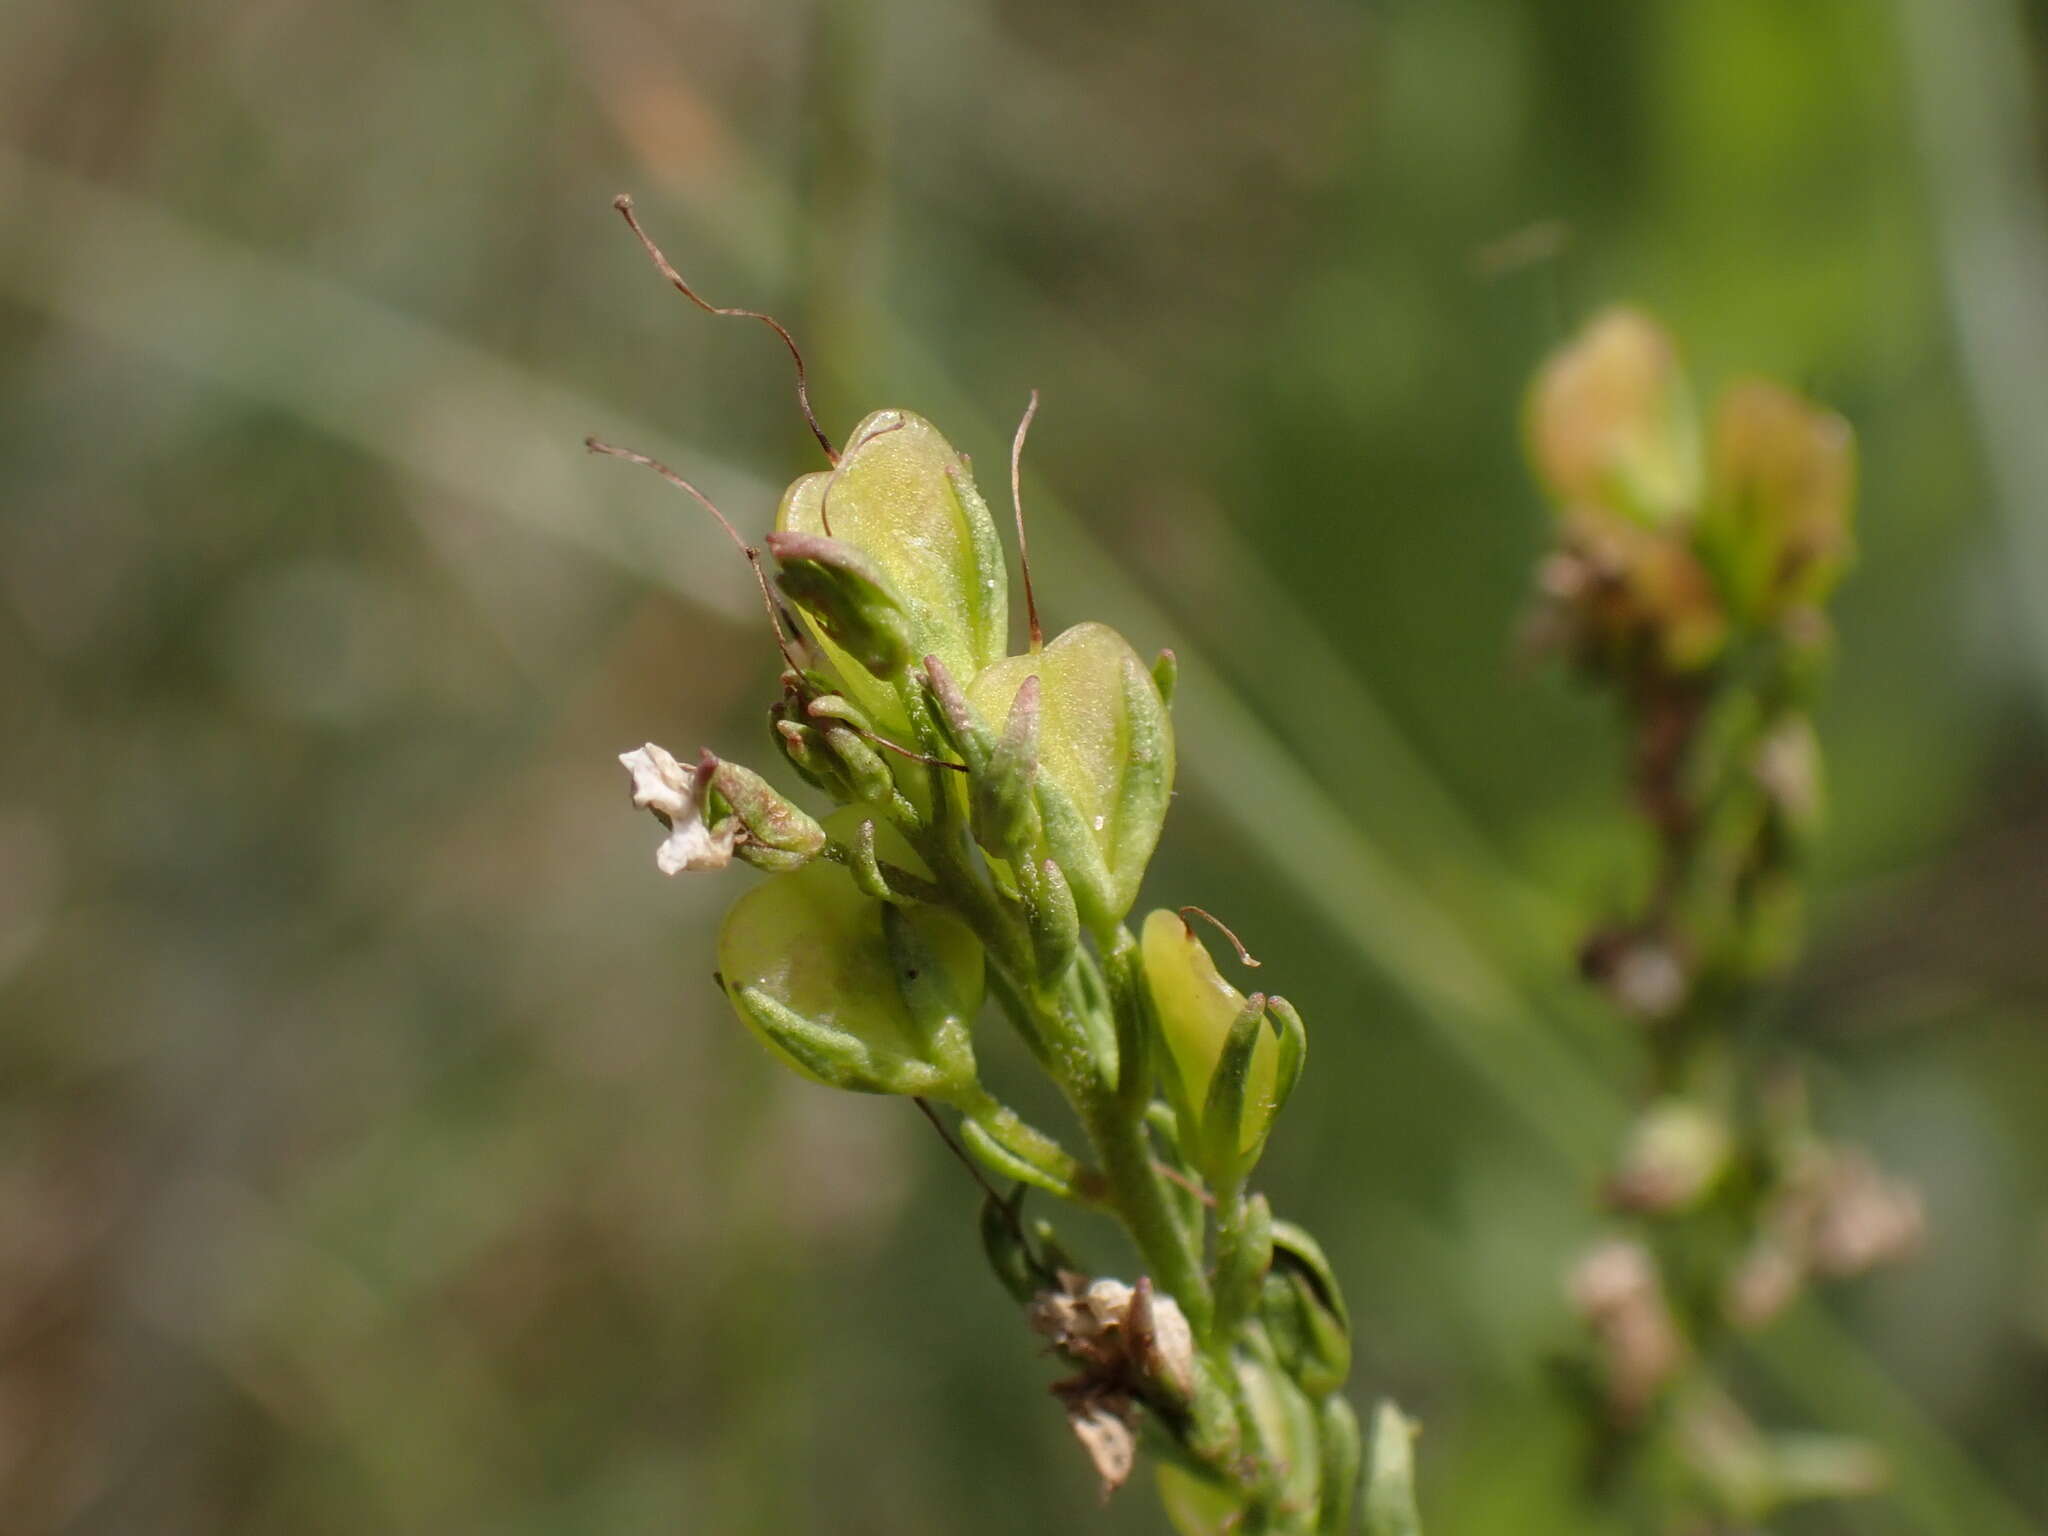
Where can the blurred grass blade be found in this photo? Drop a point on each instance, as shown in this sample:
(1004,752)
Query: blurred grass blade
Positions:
(1978,120)
(407,393)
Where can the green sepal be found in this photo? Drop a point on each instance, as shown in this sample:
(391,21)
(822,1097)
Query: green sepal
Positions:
(1241,1264)
(1024,1159)
(1006,819)
(1197,1501)
(875,877)
(1052,1250)
(1228,1142)
(1294,1248)
(946,703)
(1137,1027)
(1343,1459)
(1070,842)
(833,705)
(770,861)
(1050,915)
(837,1058)
(868,775)
(1008,1250)
(848,599)
(1293,1049)
(803,745)
(1390,1476)
(1213,1430)
(1290,1431)
(771,820)
(1304,1313)
(1166,675)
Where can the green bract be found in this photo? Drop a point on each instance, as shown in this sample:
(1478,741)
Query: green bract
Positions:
(903,499)
(850,990)
(1105,760)
(1610,423)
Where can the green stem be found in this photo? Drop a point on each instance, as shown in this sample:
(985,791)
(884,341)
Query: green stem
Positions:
(1141,1199)
(1233,1289)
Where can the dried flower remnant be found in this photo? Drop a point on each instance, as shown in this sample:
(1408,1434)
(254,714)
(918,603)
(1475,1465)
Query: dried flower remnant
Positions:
(1617,1290)
(677,796)
(1130,1346)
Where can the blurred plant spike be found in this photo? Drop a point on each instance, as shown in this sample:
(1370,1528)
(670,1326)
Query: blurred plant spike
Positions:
(1689,588)
(1611,426)
(996,815)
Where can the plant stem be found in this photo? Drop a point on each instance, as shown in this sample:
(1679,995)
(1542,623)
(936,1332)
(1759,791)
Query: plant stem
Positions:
(1141,1199)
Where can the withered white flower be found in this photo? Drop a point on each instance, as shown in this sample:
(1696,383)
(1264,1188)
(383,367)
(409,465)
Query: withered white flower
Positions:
(676,795)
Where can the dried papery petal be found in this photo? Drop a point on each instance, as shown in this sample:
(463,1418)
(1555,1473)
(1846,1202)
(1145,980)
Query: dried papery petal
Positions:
(676,795)
(1101,1421)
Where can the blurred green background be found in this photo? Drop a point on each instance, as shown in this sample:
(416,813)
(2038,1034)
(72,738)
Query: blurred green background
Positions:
(375,1154)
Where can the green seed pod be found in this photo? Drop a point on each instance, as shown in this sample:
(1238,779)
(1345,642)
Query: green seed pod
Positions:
(1781,490)
(1105,760)
(1610,423)
(851,991)
(1199,1014)
(903,498)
